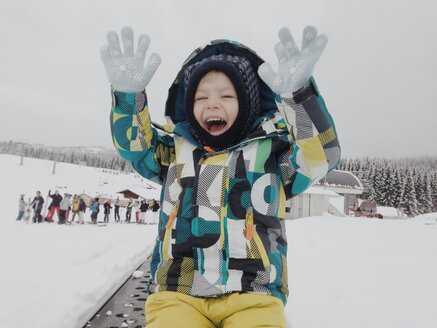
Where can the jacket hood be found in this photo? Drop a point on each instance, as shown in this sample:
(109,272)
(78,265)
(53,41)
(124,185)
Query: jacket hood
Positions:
(174,108)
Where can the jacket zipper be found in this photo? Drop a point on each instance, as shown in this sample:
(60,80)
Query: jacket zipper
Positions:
(168,229)
(252,234)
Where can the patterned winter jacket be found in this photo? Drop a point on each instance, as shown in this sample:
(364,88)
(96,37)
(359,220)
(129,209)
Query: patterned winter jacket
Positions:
(221,224)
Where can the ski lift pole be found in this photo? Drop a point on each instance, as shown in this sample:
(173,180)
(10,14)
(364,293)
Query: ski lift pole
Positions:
(346,203)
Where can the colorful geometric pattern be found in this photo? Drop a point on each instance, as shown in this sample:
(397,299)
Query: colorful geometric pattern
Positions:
(221,226)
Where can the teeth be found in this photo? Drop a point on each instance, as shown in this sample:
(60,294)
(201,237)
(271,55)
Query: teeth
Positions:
(214,119)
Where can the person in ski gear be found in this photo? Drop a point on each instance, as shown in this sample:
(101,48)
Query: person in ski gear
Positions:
(237,146)
(64,206)
(95,209)
(155,208)
(28,210)
(107,210)
(67,214)
(37,204)
(136,211)
(128,211)
(74,207)
(144,206)
(117,211)
(81,211)
(54,206)
(21,207)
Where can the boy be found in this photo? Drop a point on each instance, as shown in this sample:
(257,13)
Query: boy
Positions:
(37,204)
(234,151)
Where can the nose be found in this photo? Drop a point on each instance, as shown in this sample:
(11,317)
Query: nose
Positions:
(212,103)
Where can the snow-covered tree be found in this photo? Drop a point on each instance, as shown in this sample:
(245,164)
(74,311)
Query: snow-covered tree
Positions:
(434,192)
(408,199)
(426,202)
(396,188)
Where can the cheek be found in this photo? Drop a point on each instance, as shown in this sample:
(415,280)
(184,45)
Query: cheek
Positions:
(197,111)
(232,114)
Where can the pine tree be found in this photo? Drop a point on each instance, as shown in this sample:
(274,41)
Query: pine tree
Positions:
(408,199)
(419,186)
(434,192)
(72,158)
(389,192)
(427,200)
(396,187)
(378,182)
(342,164)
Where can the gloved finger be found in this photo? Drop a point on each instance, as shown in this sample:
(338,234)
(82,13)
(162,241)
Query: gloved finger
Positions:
(315,49)
(270,78)
(309,34)
(321,42)
(113,44)
(143,45)
(104,54)
(151,67)
(281,53)
(127,36)
(288,42)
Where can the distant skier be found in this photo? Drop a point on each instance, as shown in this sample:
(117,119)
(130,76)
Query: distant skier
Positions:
(136,211)
(74,207)
(128,211)
(143,210)
(155,209)
(21,207)
(117,210)
(28,210)
(81,211)
(37,204)
(107,210)
(64,206)
(54,206)
(95,209)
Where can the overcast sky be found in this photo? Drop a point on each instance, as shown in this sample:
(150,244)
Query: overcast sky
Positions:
(377,75)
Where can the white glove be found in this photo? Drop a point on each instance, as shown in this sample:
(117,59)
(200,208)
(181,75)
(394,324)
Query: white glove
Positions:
(295,66)
(126,71)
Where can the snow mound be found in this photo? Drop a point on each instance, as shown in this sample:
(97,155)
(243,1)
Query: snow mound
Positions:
(428,218)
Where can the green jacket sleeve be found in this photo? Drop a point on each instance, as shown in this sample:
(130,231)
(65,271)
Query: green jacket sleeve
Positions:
(315,149)
(148,151)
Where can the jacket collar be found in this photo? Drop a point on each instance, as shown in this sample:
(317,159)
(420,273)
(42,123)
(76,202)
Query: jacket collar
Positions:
(265,127)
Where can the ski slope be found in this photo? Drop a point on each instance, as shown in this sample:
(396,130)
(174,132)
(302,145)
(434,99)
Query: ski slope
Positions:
(343,272)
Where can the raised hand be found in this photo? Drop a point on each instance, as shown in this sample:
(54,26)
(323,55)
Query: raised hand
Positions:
(295,66)
(125,70)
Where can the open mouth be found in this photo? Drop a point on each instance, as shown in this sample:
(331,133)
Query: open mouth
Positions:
(215,125)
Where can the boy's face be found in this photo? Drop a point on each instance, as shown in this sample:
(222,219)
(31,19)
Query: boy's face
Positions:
(215,103)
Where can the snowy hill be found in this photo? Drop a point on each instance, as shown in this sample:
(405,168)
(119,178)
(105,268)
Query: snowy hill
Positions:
(343,272)
(36,174)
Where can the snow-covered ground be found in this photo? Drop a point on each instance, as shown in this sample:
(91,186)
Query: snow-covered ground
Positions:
(58,276)
(343,272)
(355,272)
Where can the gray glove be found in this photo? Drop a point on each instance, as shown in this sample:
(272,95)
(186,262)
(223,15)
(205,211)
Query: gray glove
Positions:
(126,71)
(295,66)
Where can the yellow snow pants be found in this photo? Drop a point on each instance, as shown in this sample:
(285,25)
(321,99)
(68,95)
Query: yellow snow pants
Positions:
(177,310)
